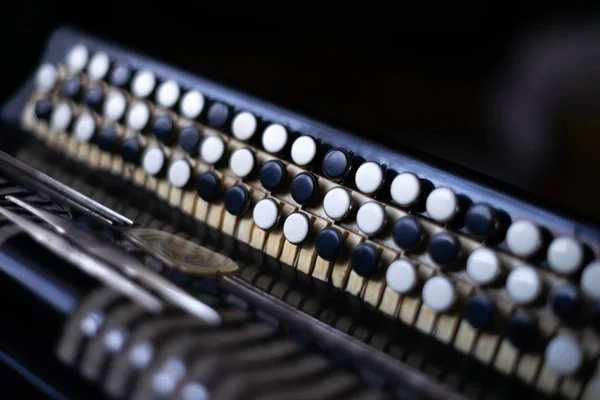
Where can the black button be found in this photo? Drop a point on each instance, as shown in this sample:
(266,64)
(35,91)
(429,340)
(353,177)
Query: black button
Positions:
(107,138)
(208,186)
(480,312)
(596,317)
(336,164)
(305,189)
(272,175)
(522,331)
(481,220)
(237,200)
(94,96)
(366,259)
(444,249)
(408,233)
(189,139)
(162,127)
(131,150)
(566,302)
(43,108)
(71,87)
(329,244)
(217,115)
(120,75)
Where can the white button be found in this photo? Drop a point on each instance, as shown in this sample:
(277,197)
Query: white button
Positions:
(524,284)
(304,150)
(153,160)
(337,203)
(191,104)
(523,238)
(243,126)
(563,354)
(405,189)
(590,280)
(241,162)
(138,116)
(99,66)
(296,228)
(438,294)
(401,276)
(84,127)
(369,177)
(61,117)
(46,77)
(266,214)
(77,58)
(114,106)
(212,149)
(442,204)
(565,255)
(179,173)
(143,83)
(370,218)
(274,138)
(483,266)
(168,94)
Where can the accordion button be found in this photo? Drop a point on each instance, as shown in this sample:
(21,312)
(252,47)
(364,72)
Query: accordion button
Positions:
(189,138)
(120,76)
(208,186)
(524,285)
(237,200)
(242,162)
(168,94)
(163,128)
(444,249)
(565,255)
(524,238)
(337,203)
(131,149)
(481,221)
(590,280)
(217,115)
(46,77)
(243,126)
(408,233)
(266,214)
(107,138)
(274,138)
(366,260)
(442,205)
(305,189)
(480,312)
(296,228)
(180,173)
(401,276)
(191,104)
(369,177)
(563,354)
(370,218)
(212,149)
(272,175)
(566,302)
(84,128)
(77,58)
(61,117)
(483,266)
(405,189)
(138,116)
(336,164)
(153,160)
(42,108)
(522,331)
(99,66)
(304,150)
(94,95)
(330,244)
(114,106)
(71,87)
(439,294)
(143,83)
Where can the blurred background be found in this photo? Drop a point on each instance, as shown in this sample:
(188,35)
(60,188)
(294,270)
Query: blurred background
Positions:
(512,93)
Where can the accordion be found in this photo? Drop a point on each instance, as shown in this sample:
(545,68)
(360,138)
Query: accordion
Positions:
(165,237)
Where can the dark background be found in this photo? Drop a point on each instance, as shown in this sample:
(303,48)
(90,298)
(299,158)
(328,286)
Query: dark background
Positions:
(459,82)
